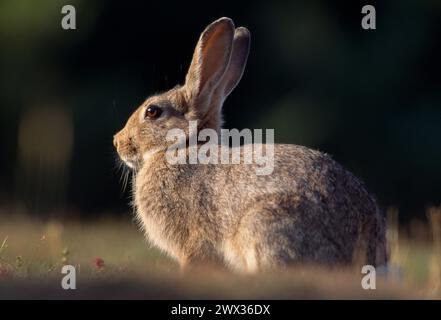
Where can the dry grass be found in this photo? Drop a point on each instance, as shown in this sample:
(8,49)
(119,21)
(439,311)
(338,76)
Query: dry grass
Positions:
(32,253)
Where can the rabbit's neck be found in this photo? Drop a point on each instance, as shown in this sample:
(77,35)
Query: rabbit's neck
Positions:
(147,156)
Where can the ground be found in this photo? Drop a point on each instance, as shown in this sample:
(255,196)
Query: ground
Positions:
(113,260)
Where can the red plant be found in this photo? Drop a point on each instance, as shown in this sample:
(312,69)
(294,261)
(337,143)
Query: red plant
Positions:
(98,263)
(4,272)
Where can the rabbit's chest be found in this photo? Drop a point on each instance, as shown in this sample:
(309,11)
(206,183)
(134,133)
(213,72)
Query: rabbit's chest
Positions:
(159,235)
(162,225)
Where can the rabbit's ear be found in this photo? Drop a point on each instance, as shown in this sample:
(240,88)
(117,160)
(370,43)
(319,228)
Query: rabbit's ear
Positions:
(210,61)
(238,61)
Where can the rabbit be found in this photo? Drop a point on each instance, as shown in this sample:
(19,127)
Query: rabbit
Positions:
(309,210)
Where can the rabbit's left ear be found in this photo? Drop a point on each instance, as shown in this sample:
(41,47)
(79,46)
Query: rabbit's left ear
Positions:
(210,61)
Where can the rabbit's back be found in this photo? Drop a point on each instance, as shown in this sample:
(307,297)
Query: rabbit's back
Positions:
(299,173)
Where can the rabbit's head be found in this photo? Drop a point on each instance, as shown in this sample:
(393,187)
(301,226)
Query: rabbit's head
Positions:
(217,66)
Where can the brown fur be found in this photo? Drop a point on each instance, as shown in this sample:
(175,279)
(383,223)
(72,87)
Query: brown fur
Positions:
(309,210)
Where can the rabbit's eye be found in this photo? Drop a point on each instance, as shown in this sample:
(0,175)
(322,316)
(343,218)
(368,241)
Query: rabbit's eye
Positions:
(153,112)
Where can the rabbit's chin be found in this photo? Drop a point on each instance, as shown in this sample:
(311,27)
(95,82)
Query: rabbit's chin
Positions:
(132,163)
(135,162)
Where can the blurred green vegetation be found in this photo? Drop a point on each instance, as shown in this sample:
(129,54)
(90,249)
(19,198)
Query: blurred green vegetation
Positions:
(371,99)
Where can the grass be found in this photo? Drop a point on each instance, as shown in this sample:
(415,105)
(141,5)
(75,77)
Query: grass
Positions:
(113,260)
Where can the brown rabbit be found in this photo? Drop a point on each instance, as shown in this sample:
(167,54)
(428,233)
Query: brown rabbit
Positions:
(309,210)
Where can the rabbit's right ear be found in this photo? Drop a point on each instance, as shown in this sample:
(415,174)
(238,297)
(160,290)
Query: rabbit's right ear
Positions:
(210,61)
(239,57)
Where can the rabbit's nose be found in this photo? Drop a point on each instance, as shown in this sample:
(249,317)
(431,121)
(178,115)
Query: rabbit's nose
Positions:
(115,141)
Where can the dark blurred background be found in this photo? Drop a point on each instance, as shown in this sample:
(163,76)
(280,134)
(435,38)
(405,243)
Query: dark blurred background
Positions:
(371,99)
